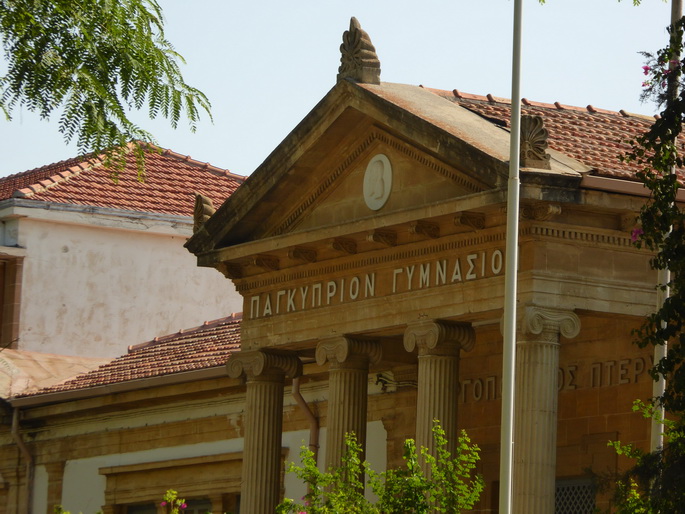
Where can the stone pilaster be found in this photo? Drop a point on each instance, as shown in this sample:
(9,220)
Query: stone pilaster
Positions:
(265,372)
(349,360)
(439,344)
(217,502)
(535,421)
(55,480)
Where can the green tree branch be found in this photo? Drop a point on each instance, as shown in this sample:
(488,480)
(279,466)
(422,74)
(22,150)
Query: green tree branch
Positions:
(94,61)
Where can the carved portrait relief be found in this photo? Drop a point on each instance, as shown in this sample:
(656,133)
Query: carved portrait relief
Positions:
(377,182)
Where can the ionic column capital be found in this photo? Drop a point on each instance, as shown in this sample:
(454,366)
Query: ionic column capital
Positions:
(347,351)
(548,323)
(437,337)
(256,364)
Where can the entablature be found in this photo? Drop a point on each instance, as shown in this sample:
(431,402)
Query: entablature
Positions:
(434,222)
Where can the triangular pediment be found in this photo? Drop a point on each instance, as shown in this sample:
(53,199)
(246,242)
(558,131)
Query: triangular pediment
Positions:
(434,150)
(377,175)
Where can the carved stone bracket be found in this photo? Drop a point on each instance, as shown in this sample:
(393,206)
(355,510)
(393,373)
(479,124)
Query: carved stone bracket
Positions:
(383,236)
(266,262)
(358,59)
(345,245)
(347,351)
(425,228)
(549,323)
(300,253)
(202,211)
(436,337)
(540,211)
(259,363)
(230,270)
(534,143)
(472,220)
(628,222)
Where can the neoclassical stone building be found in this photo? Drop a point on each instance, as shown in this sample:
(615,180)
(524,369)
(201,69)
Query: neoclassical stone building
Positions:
(372,240)
(369,250)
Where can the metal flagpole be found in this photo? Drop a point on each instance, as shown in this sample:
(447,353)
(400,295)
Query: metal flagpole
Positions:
(509,342)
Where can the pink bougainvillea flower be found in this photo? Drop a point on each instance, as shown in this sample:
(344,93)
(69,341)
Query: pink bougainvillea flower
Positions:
(645,70)
(636,233)
(183,506)
(163,504)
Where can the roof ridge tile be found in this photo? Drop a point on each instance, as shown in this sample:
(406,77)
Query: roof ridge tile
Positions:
(207,325)
(531,103)
(497,99)
(595,110)
(51,181)
(468,96)
(627,114)
(206,165)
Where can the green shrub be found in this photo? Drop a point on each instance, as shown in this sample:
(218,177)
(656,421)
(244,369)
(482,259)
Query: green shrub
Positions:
(453,485)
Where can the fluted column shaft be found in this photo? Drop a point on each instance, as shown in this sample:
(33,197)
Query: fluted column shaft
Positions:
(347,391)
(439,344)
(265,373)
(535,427)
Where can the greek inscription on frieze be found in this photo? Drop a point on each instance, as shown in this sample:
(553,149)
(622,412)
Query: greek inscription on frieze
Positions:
(402,279)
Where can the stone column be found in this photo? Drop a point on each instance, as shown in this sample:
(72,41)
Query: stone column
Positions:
(438,343)
(265,372)
(348,380)
(535,412)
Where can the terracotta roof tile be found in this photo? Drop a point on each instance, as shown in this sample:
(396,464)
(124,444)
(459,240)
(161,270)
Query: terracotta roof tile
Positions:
(170,182)
(206,346)
(595,137)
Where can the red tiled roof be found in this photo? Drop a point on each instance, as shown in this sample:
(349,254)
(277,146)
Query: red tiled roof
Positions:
(595,137)
(207,346)
(170,182)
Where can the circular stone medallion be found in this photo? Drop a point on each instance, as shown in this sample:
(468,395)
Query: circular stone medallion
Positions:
(377,182)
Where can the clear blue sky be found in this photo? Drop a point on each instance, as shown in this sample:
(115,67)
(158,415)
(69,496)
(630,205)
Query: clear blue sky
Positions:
(265,64)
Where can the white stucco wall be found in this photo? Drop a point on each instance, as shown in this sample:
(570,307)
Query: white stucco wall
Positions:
(39,499)
(95,283)
(83,489)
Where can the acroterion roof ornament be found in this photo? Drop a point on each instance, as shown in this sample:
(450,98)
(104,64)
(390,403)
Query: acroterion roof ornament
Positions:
(202,212)
(358,59)
(534,143)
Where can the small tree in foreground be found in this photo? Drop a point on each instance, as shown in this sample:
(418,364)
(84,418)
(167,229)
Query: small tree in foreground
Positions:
(453,485)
